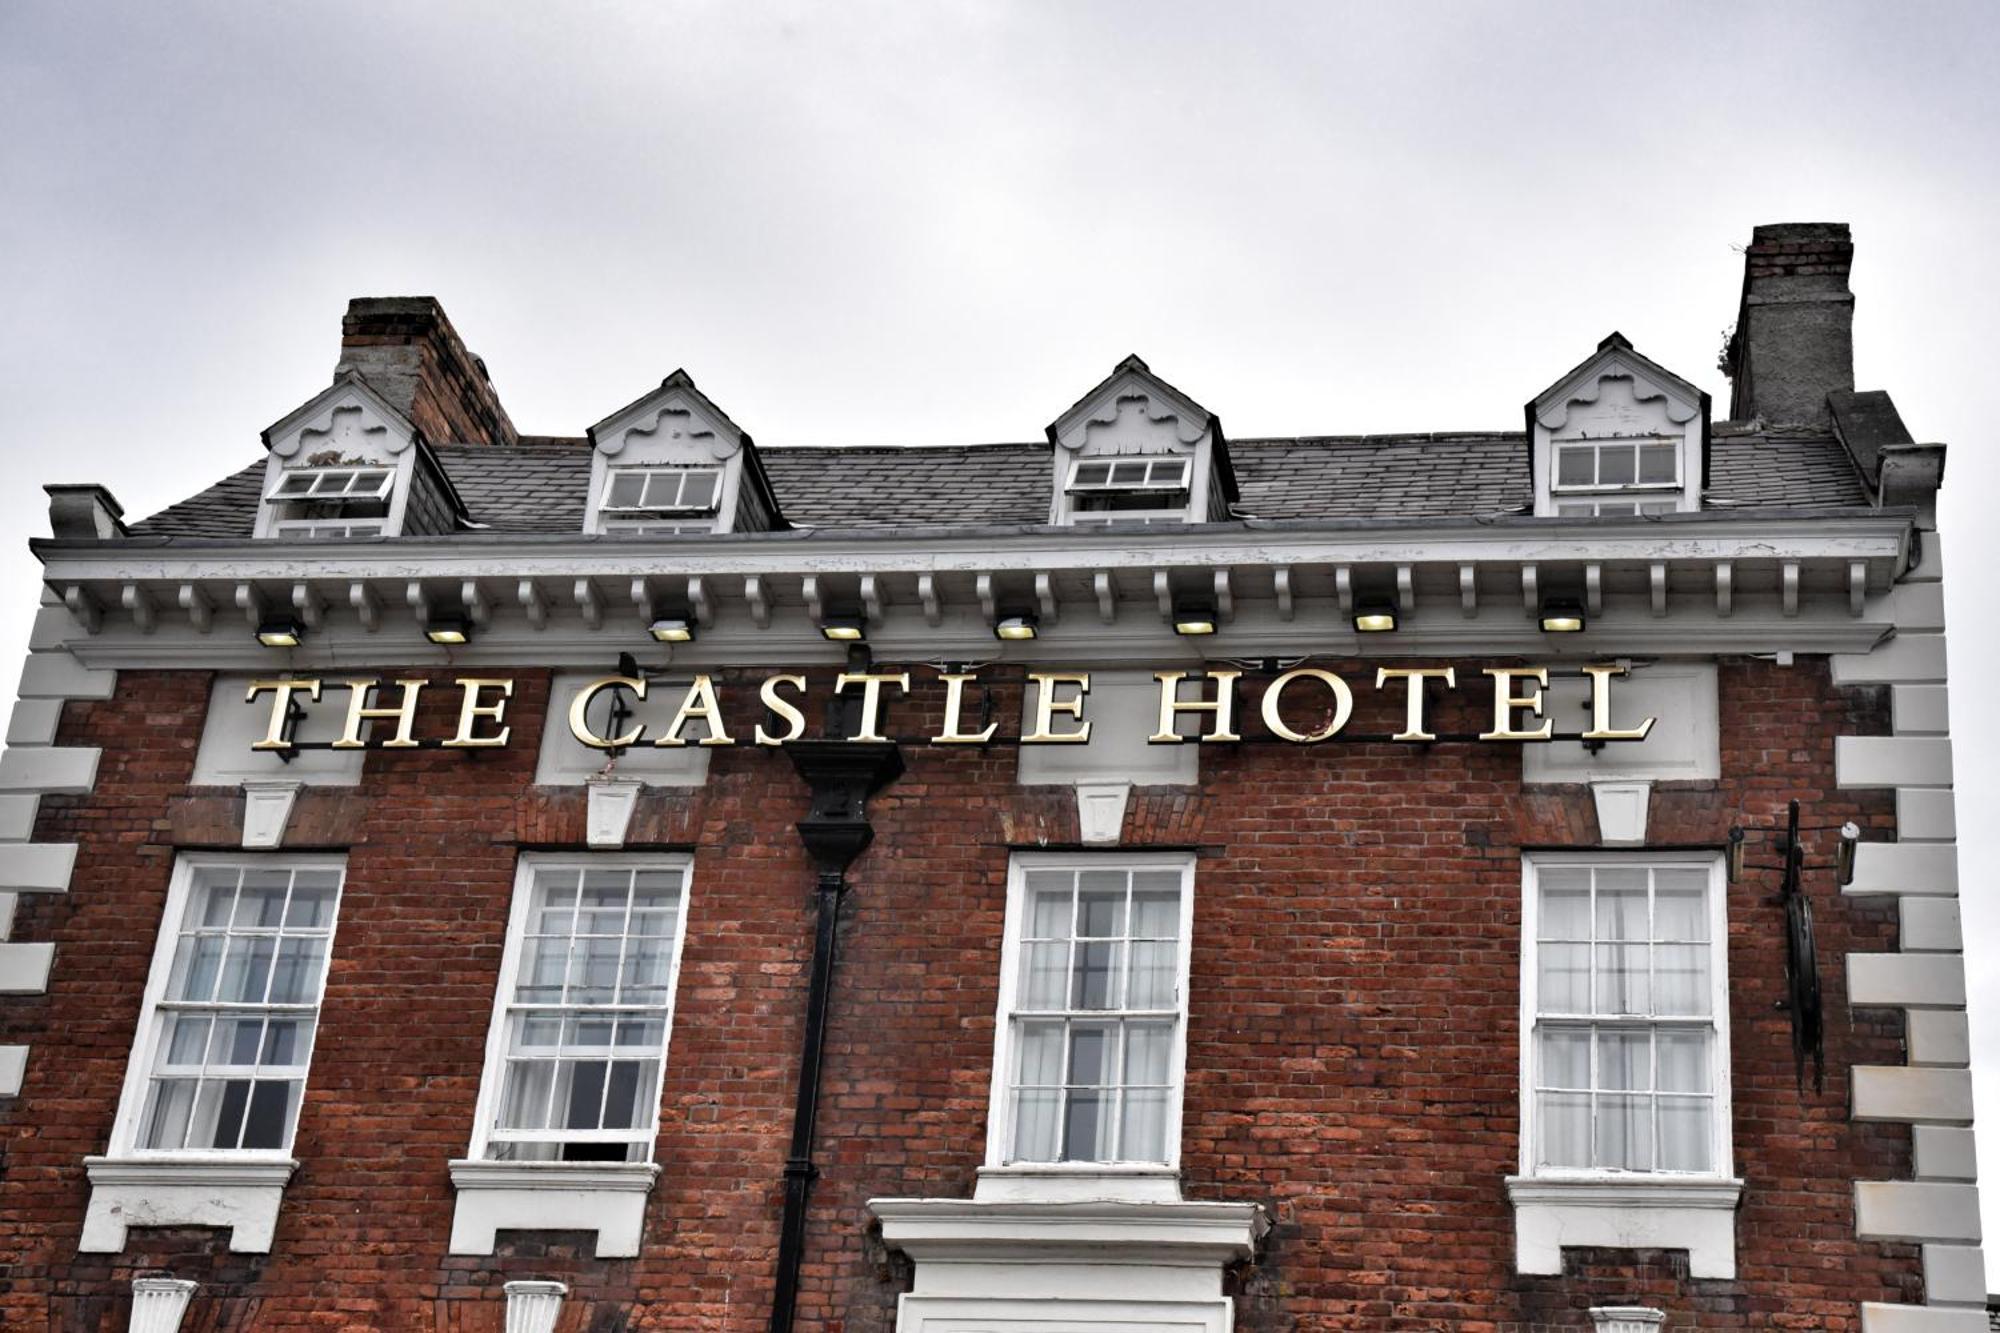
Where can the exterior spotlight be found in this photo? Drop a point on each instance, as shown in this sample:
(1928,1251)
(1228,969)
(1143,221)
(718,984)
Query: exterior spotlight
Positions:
(448,630)
(284,632)
(1015,627)
(844,629)
(672,629)
(1375,618)
(1559,617)
(1194,620)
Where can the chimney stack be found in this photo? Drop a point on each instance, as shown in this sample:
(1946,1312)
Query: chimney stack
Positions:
(1794,339)
(408,352)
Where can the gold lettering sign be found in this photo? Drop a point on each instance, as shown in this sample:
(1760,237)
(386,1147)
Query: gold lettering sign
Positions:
(1056,708)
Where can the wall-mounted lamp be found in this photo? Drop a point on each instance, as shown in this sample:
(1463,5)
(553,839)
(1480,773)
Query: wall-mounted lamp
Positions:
(672,629)
(844,629)
(1194,620)
(1015,628)
(1735,854)
(448,630)
(1850,838)
(1562,617)
(1375,618)
(284,632)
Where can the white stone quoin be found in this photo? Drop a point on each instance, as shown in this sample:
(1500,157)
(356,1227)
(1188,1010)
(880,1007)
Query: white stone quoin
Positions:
(532,1307)
(159,1302)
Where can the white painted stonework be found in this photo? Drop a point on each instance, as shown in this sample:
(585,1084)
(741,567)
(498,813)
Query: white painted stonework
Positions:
(267,809)
(243,1196)
(1621,812)
(1123,708)
(1654,1214)
(1617,395)
(674,425)
(608,816)
(532,1307)
(159,1302)
(1927,979)
(227,756)
(1685,743)
(563,760)
(1627,1318)
(1135,413)
(608,1198)
(1098,1267)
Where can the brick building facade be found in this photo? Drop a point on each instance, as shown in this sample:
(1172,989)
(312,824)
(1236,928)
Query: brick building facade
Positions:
(432,991)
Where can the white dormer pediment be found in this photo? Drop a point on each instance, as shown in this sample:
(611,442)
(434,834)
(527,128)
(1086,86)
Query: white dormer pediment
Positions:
(673,424)
(348,423)
(1132,414)
(1618,434)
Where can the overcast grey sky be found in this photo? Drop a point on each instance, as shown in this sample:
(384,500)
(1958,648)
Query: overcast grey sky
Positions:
(941,222)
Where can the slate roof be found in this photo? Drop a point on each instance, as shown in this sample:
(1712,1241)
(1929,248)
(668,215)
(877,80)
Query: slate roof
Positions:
(540,486)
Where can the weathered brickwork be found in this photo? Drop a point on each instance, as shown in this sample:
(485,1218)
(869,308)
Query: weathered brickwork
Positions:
(1352,1055)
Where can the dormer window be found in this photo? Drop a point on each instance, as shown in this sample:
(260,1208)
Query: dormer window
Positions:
(1617,478)
(1109,490)
(331,501)
(659,501)
(673,464)
(1137,450)
(1619,436)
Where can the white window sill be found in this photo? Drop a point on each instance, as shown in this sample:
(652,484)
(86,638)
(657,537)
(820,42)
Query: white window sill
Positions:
(242,1193)
(1078,1182)
(608,1198)
(1635,1212)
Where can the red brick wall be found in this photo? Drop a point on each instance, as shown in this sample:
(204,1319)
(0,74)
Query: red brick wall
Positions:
(1352,1050)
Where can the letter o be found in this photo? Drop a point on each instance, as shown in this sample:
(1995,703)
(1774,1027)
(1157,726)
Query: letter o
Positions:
(1343,706)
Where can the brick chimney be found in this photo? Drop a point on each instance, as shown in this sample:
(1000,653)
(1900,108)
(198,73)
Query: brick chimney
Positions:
(409,353)
(1794,339)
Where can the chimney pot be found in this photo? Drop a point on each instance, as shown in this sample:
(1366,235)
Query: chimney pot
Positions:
(84,512)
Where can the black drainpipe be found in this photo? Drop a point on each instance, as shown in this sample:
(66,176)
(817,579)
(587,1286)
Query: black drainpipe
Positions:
(842,775)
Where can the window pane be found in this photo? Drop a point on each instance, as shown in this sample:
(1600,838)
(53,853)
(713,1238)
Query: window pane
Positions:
(164,1124)
(1680,905)
(295,979)
(1037,1117)
(1621,907)
(1624,1138)
(260,905)
(1100,906)
(1041,1054)
(1094,976)
(698,490)
(286,1041)
(544,963)
(311,906)
(1565,1128)
(1615,509)
(1622,984)
(197,963)
(1086,1126)
(1680,978)
(246,969)
(1092,474)
(1143,1136)
(1148,1052)
(1044,975)
(186,1039)
(1683,1061)
(1049,910)
(268,1114)
(1156,909)
(1128,474)
(237,1041)
(1565,907)
(1565,978)
(1574,467)
(1625,1060)
(524,1097)
(585,1096)
(626,489)
(1089,1055)
(1565,1059)
(630,1081)
(1656,463)
(1684,1134)
(1153,967)
(1615,465)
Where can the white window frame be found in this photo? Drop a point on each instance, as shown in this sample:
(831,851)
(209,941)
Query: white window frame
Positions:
(382,475)
(1644,496)
(1181,492)
(1000,1118)
(493,1073)
(661,520)
(329,529)
(152,1021)
(1721,1153)
(1151,462)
